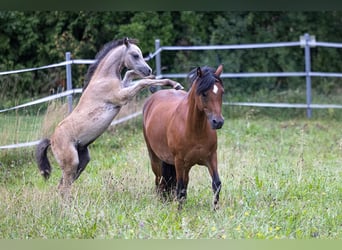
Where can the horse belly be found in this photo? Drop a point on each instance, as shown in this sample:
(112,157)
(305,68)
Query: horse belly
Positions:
(157,116)
(94,123)
(157,139)
(97,128)
(161,149)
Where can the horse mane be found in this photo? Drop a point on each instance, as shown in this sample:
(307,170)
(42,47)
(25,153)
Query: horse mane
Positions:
(205,81)
(100,55)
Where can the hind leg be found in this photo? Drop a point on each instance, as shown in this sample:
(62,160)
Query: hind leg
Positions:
(84,158)
(169,177)
(156,165)
(160,174)
(69,173)
(67,157)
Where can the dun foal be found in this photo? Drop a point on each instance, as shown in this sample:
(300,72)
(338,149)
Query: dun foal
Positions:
(103,96)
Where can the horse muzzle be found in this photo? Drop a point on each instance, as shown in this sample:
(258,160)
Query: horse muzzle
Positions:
(146,71)
(216,122)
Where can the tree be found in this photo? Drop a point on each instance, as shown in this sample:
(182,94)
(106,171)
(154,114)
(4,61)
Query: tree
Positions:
(37,38)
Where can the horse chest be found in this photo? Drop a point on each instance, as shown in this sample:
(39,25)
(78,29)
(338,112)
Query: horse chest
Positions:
(198,151)
(195,151)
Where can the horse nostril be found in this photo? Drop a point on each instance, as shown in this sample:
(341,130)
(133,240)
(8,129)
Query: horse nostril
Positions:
(217,124)
(145,71)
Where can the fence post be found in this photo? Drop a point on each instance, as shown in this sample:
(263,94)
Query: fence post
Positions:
(307,74)
(68,80)
(158,58)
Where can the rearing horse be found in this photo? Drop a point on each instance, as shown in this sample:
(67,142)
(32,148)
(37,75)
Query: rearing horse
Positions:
(103,96)
(180,131)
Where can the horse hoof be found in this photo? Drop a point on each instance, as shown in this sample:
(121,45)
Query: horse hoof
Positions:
(216,207)
(180,206)
(154,89)
(179,87)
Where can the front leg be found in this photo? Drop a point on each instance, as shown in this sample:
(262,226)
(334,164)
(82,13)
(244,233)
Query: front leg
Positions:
(182,177)
(181,193)
(146,82)
(126,94)
(130,75)
(216,182)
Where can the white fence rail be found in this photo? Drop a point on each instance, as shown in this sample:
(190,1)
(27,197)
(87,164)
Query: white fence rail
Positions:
(306,42)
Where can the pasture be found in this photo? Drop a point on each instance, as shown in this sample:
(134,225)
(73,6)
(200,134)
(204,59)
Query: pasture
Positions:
(281,179)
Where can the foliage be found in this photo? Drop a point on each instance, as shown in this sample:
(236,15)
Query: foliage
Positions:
(37,38)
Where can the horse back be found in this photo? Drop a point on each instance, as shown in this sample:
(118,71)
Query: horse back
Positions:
(164,98)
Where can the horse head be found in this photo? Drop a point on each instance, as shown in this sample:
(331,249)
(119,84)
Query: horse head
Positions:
(209,90)
(133,59)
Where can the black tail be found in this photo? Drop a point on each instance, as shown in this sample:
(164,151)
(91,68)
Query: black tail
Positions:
(41,158)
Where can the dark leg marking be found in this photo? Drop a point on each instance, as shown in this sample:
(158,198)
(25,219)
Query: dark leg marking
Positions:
(169,176)
(84,158)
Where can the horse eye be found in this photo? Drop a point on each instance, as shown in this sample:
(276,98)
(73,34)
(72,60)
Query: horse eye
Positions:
(204,94)
(135,56)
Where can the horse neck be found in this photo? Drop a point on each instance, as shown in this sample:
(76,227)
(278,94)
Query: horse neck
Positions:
(196,119)
(112,63)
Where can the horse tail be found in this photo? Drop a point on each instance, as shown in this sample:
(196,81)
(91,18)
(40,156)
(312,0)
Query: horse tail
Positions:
(41,158)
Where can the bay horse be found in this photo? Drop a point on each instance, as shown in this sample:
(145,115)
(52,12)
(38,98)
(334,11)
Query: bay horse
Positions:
(180,131)
(104,93)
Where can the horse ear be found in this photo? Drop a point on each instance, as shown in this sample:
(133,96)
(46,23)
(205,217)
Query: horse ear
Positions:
(199,72)
(219,70)
(126,41)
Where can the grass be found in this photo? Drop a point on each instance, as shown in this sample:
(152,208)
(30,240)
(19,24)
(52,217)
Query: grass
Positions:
(281,180)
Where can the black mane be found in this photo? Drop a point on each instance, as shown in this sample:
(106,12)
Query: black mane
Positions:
(205,81)
(100,55)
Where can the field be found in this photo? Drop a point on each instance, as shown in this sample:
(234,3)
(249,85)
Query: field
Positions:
(282,179)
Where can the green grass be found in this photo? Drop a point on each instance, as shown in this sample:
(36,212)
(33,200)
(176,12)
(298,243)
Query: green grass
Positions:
(282,178)
(19,128)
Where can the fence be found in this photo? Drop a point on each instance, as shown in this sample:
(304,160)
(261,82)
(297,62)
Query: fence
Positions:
(306,42)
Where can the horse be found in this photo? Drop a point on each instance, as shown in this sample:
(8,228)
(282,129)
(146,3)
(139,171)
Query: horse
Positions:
(179,129)
(103,95)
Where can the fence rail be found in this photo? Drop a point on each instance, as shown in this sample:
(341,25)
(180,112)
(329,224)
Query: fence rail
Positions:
(306,42)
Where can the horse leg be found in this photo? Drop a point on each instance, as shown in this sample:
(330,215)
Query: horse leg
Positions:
(156,168)
(169,177)
(156,165)
(182,175)
(216,182)
(67,157)
(84,158)
(130,75)
(127,93)
(216,186)
(160,82)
